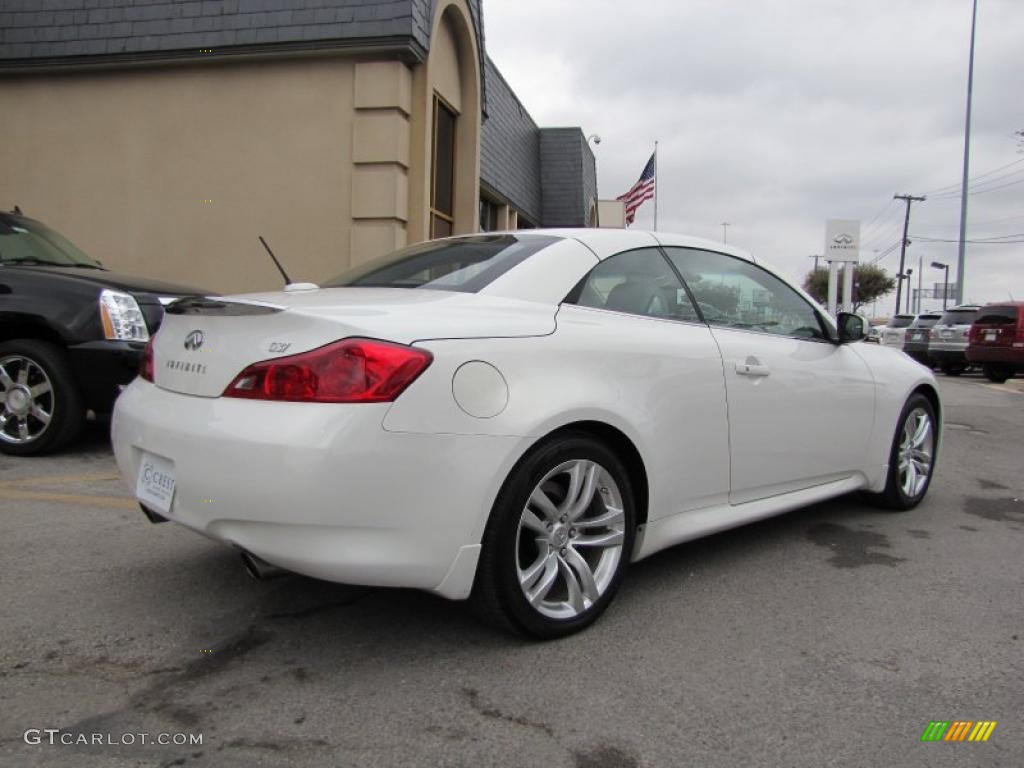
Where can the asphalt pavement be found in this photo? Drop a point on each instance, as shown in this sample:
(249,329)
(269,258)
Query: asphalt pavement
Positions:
(831,636)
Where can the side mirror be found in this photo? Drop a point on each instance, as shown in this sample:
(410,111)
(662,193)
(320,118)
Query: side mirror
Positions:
(851,327)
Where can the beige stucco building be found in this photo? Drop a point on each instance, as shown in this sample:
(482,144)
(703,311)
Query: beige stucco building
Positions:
(164,138)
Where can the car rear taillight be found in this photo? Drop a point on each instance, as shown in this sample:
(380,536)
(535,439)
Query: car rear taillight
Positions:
(146,366)
(346,371)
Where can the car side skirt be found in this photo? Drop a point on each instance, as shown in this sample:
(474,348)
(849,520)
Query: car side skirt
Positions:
(686,526)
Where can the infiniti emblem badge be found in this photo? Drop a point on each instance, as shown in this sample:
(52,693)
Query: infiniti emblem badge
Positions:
(194,341)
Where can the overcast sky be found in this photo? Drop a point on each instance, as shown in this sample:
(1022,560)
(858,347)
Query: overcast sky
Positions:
(777,116)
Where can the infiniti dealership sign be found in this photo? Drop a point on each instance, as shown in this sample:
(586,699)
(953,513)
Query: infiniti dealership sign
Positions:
(842,240)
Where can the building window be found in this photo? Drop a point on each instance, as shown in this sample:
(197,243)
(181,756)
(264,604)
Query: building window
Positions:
(442,186)
(488,215)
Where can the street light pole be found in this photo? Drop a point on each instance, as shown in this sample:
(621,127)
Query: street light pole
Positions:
(920,277)
(945,281)
(725,227)
(962,247)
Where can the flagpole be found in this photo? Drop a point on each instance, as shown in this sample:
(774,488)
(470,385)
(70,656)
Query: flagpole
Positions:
(655,186)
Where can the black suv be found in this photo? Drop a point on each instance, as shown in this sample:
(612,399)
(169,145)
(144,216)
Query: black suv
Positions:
(71,334)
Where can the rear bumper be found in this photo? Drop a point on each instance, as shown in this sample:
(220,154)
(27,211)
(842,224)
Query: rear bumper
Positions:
(918,352)
(101,368)
(320,489)
(947,355)
(996,355)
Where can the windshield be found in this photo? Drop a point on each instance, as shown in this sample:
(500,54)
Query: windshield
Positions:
(958,317)
(926,321)
(465,264)
(24,241)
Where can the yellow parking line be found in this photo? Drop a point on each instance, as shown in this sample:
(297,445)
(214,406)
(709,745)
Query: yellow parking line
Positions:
(118,502)
(95,477)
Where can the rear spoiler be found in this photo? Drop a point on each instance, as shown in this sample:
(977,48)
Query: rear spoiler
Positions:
(216,305)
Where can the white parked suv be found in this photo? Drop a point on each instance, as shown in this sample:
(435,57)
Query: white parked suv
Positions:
(895,331)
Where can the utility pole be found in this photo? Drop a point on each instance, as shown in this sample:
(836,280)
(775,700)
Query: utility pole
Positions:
(920,277)
(815,256)
(908,199)
(725,227)
(962,247)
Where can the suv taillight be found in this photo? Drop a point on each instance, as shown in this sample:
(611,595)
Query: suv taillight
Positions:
(146,366)
(346,371)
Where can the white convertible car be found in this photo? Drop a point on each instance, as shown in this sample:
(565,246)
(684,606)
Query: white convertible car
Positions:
(515,417)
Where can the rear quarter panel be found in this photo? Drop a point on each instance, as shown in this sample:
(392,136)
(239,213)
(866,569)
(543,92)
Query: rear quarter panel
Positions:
(659,382)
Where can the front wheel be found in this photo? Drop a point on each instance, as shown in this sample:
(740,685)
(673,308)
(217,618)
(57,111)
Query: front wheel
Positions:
(912,456)
(40,409)
(559,539)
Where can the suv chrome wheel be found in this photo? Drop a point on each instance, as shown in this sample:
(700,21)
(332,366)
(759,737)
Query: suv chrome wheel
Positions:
(26,394)
(570,539)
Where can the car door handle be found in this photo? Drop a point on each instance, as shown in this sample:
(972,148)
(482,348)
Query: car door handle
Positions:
(752,367)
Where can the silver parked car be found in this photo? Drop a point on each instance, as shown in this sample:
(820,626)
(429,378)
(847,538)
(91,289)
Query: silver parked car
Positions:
(947,342)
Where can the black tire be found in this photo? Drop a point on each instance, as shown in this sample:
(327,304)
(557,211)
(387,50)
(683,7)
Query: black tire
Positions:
(497,596)
(953,369)
(894,496)
(997,373)
(63,403)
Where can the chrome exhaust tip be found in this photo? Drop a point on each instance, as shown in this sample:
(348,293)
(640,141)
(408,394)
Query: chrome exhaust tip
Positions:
(260,569)
(152,516)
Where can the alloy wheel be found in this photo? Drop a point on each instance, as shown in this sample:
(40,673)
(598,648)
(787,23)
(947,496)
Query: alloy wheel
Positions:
(915,453)
(26,400)
(570,539)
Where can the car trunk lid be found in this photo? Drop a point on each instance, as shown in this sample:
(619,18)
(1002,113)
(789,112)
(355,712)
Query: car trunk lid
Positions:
(205,342)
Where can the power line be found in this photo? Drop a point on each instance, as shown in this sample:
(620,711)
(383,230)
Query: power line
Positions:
(886,252)
(996,241)
(984,186)
(876,217)
(957,185)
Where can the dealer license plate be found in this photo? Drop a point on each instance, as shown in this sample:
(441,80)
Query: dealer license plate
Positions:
(155,484)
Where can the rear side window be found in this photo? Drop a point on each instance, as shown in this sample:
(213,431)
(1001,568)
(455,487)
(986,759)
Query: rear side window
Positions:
(997,316)
(466,264)
(959,317)
(636,282)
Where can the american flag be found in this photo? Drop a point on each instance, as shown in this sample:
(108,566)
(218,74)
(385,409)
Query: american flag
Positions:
(642,190)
